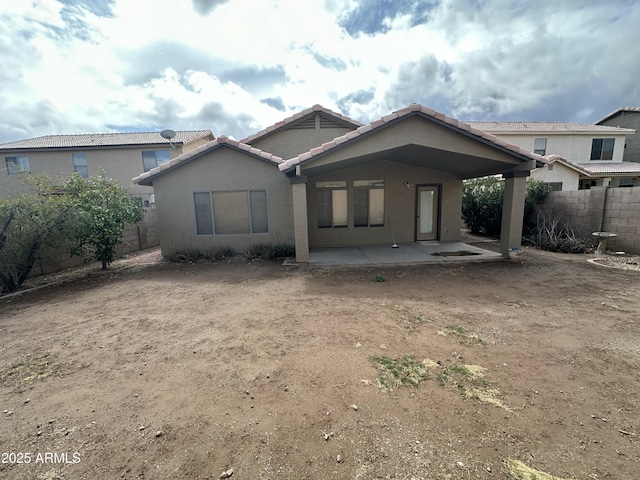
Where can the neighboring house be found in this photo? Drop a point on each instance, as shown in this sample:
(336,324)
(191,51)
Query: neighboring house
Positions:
(626,117)
(583,145)
(560,174)
(121,155)
(327,181)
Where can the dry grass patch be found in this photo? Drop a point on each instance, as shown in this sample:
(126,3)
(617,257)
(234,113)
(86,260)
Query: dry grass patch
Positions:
(518,470)
(28,370)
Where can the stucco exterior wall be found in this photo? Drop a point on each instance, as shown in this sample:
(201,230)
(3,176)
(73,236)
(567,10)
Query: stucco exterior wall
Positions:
(291,142)
(569,178)
(574,147)
(399,205)
(121,164)
(223,169)
(418,131)
(628,120)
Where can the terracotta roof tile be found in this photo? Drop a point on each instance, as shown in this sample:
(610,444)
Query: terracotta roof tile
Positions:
(93,140)
(222,140)
(546,128)
(613,168)
(414,107)
(297,116)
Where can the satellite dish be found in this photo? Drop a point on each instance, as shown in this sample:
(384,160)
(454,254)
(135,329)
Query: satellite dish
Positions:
(168,134)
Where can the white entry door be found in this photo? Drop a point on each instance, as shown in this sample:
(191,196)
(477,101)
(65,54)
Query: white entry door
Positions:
(427,213)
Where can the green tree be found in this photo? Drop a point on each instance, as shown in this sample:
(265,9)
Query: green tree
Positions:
(101,207)
(29,224)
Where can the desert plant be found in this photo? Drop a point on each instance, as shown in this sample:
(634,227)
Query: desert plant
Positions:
(218,253)
(186,255)
(269,251)
(555,236)
(397,372)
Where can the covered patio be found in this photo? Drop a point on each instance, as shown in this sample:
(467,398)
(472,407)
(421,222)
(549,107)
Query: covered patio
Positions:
(412,253)
(399,179)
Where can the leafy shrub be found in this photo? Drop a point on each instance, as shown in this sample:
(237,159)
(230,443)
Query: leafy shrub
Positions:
(482,203)
(551,235)
(268,251)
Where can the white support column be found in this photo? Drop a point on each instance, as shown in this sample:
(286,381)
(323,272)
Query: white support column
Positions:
(513,210)
(300,223)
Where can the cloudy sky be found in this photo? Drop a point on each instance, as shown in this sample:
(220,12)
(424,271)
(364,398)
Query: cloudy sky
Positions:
(237,66)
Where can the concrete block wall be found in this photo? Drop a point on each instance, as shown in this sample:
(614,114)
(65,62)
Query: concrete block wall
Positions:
(136,237)
(614,210)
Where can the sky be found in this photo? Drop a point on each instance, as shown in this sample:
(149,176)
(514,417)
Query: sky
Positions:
(238,66)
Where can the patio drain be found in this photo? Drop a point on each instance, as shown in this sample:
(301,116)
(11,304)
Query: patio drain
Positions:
(459,253)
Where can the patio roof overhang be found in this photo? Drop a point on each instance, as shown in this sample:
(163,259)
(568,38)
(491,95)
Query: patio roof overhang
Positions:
(417,138)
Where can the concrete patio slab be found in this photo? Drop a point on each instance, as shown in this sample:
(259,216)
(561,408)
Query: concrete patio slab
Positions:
(422,252)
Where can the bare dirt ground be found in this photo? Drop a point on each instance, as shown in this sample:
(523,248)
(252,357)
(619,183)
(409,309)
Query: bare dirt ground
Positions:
(177,371)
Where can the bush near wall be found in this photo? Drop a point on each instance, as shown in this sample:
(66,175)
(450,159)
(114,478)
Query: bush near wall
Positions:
(482,203)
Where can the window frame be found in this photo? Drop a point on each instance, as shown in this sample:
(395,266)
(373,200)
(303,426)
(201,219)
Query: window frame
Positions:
(16,164)
(369,186)
(536,148)
(75,156)
(600,151)
(257,226)
(337,192)
(156,160)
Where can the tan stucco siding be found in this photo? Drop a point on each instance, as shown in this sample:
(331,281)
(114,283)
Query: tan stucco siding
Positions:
(569,178)
(223,169)
(573,146)
(292,142)
(121,164)
(399,204)
(416,131)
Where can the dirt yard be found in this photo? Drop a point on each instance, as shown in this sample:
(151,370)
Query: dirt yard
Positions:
(179,371)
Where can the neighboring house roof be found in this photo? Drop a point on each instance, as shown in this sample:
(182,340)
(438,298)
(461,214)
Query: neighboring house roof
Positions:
(105,140)
(553,158)
(413,109)
(617,111)
(547,128)
(612,168)
(222,141)
(287,122)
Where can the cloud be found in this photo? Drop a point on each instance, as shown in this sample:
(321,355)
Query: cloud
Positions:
(276,103)
(205,7)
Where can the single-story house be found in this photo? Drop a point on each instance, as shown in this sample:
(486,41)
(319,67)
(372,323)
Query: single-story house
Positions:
(319,179)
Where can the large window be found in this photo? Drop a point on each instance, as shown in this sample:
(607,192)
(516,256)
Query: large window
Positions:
(332,204)
(368,203)
(80,164)
(153,158)
(540,146)
(231,212)
(17,164)
(602,148)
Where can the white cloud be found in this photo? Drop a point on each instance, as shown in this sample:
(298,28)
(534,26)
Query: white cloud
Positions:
(153,63)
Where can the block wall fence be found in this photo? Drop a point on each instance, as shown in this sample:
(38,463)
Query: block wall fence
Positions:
(605,209)
(136,237)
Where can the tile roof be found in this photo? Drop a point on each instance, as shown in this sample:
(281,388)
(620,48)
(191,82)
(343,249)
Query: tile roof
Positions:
(547,127)
(560,159)
(615,112)
(146,177)
(612,168)
(105,140)
(414,108)
(297,116)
